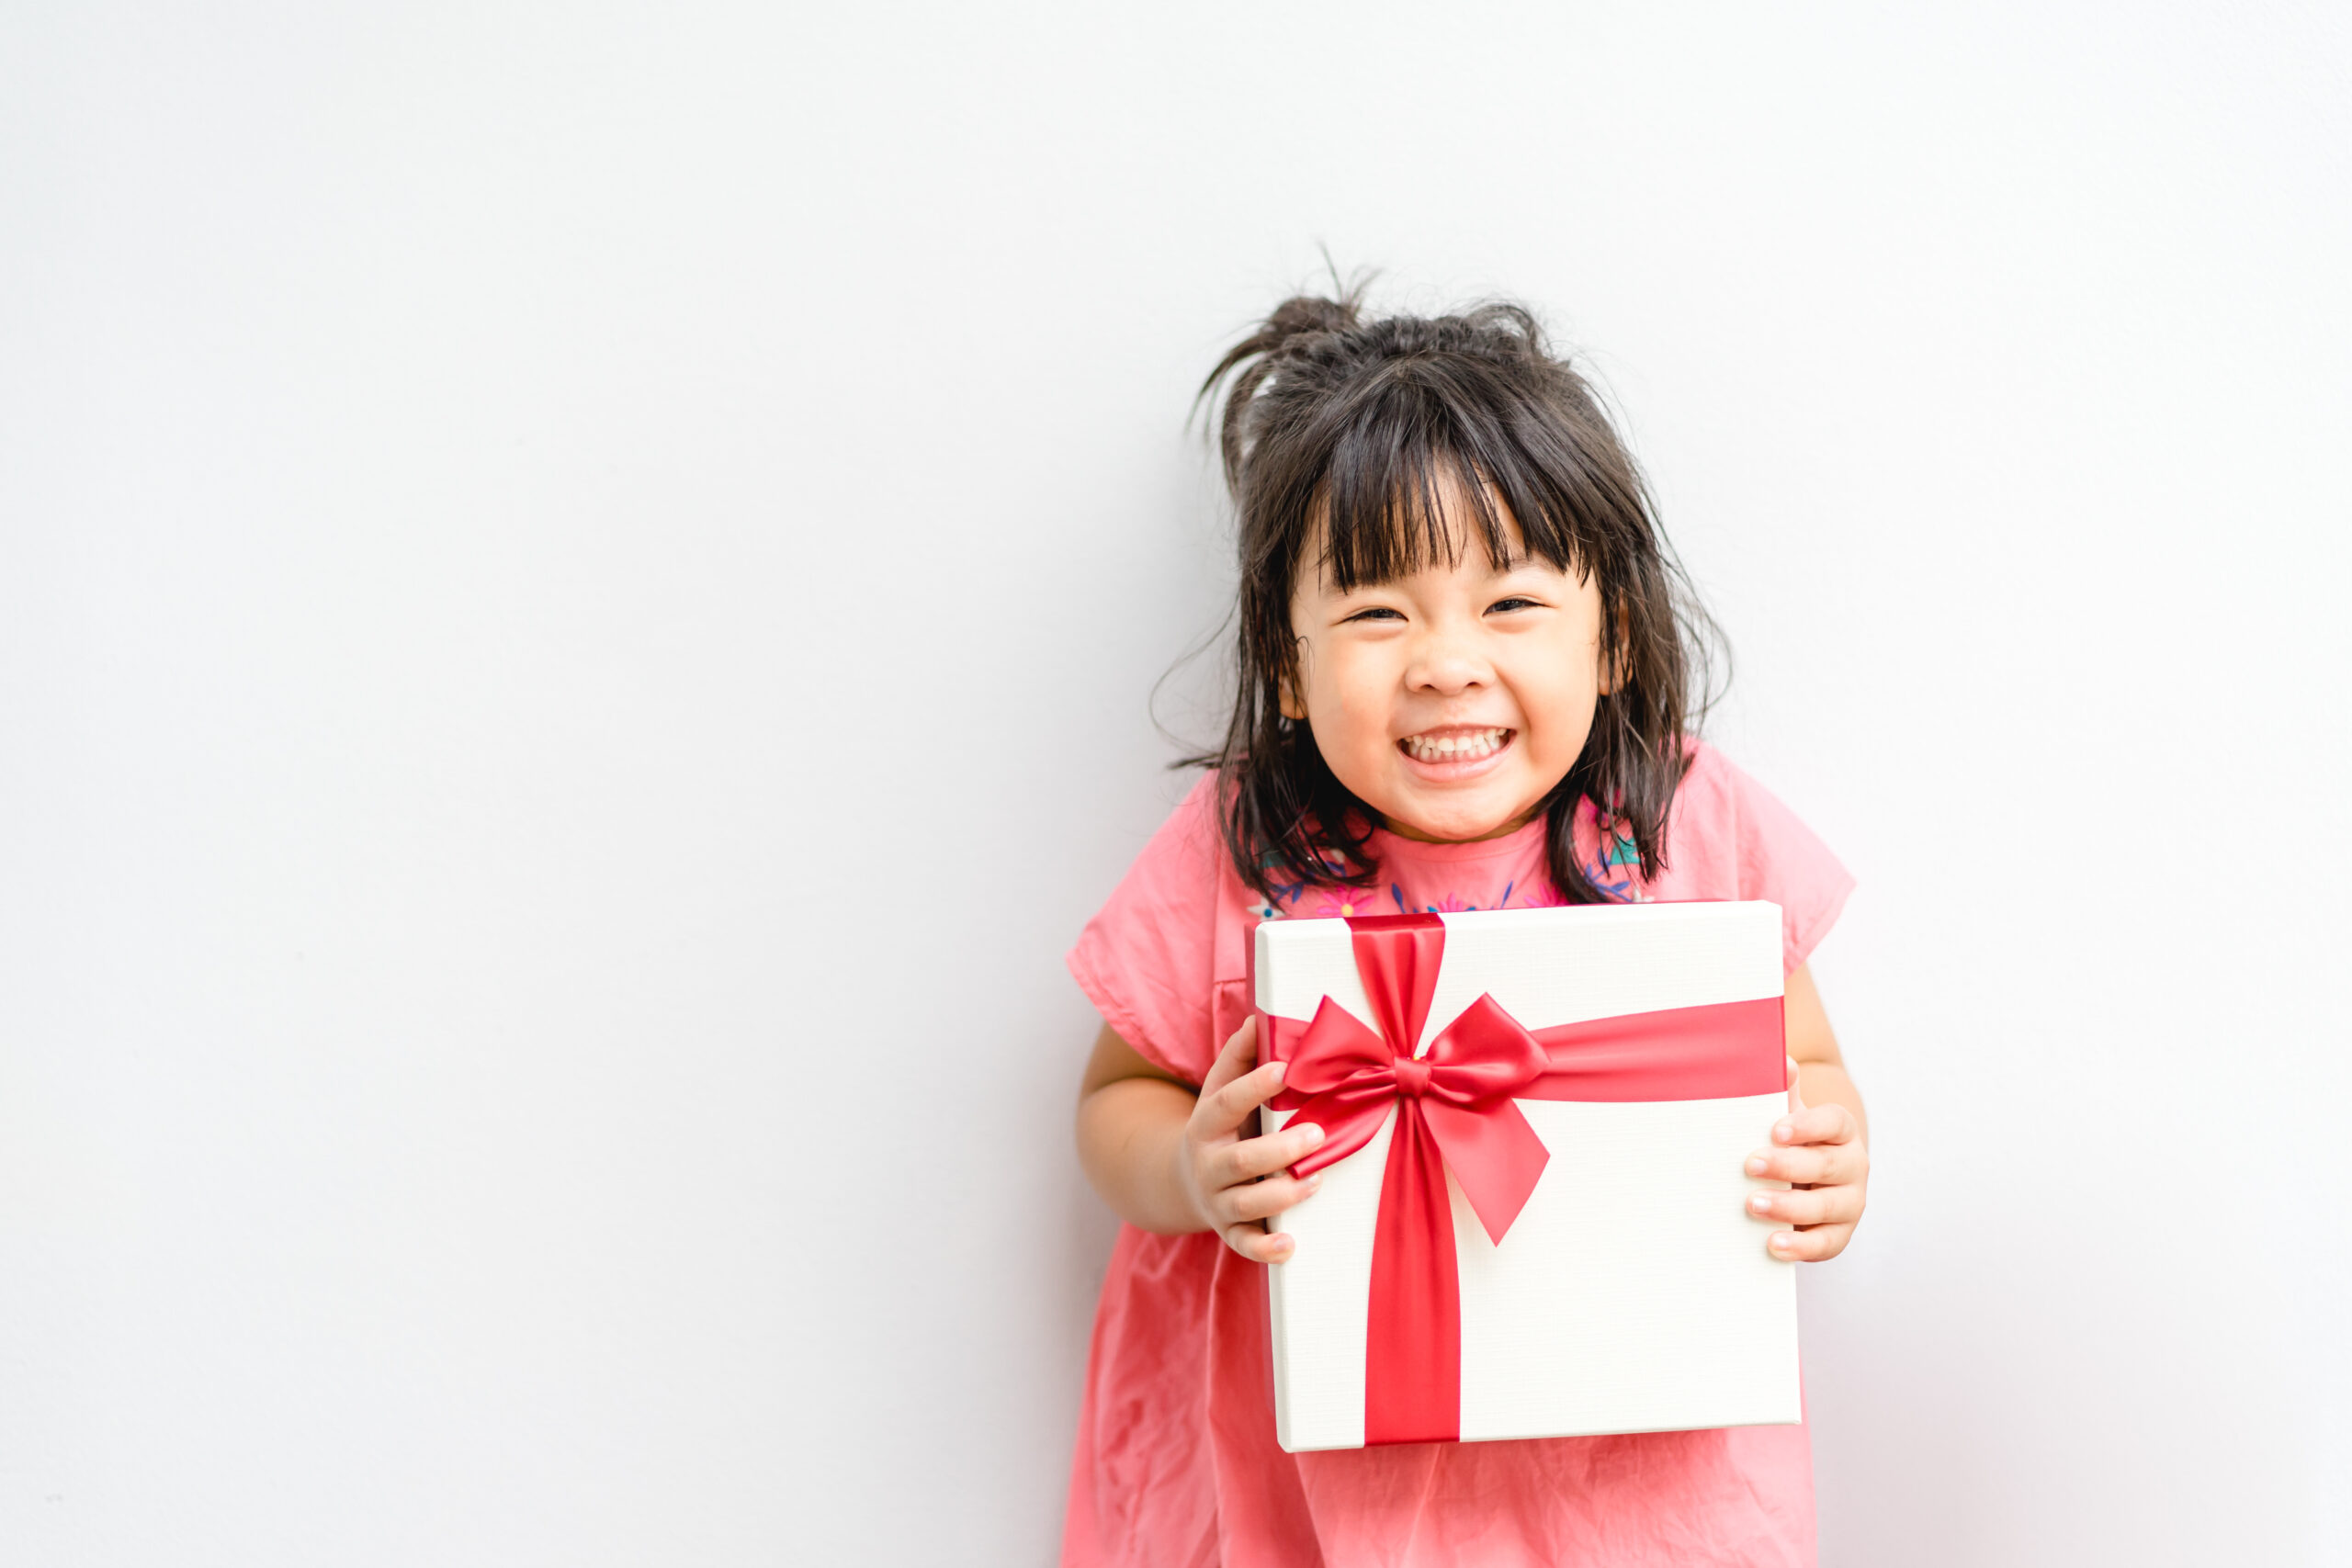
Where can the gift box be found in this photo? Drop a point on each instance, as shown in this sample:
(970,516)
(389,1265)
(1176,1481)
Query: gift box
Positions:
(1532,1221)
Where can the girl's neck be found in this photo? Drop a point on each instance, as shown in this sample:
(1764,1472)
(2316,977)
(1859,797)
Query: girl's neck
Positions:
(1505,832)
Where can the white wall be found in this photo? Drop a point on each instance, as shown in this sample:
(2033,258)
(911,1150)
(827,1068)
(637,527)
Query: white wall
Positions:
(577,597)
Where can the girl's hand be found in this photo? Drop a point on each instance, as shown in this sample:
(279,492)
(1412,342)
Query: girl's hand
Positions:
(1234,1183)
(1820,1151)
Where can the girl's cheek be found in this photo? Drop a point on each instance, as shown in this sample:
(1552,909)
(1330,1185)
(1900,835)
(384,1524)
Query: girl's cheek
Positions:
(1557,690)
(1361,699)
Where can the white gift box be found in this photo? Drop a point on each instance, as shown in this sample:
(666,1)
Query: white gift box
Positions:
(1633,1292)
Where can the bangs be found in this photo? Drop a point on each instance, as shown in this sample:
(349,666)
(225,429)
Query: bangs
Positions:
(1419,470)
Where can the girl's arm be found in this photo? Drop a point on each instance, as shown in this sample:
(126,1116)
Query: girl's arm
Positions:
(1821,1146)
(1173,1161)
(1821,1070)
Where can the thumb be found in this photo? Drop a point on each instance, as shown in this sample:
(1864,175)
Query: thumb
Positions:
(1796,1100)
(1239,1055)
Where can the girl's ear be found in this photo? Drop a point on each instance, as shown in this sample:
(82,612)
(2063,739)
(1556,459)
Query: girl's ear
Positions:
(1614,665)
(1287,684)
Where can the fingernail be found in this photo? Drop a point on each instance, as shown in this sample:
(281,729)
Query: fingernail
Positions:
(1314,1134)
(1784,1241)
(1280,1250)
(1783,1133)
(1278,1068)
(1758,1165)
(1315,1181)
(1760,1204)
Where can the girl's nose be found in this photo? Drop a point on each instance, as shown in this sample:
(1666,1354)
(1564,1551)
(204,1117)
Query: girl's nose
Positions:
(1445,664)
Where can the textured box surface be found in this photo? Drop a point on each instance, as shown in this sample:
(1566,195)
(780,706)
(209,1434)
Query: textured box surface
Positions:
(1633,1292)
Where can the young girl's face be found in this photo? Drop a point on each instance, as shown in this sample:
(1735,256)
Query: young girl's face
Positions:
(1451,700)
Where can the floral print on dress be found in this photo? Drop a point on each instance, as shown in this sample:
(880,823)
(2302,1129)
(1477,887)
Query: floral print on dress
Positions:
(1283,893)
(1612,863)
(1342,903)
(1616,871)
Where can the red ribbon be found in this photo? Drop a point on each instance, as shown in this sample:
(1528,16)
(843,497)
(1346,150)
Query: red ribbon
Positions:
(1454,1111)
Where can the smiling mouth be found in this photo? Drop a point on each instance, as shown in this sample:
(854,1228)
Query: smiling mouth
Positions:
(1454,745)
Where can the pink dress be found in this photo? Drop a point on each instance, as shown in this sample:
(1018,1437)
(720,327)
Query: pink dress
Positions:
(1176,1464)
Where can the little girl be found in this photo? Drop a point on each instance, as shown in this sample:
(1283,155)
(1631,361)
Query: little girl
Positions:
(1464,661)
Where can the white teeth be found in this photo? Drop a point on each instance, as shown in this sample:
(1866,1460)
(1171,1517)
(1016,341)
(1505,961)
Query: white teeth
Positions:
(1465,746)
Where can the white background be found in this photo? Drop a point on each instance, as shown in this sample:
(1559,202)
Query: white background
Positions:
(578,593)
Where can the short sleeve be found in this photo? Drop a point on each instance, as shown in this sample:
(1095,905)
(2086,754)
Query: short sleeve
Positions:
(1735,836)
(1147,958)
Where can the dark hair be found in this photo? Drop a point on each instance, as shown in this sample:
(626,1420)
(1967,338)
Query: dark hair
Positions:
(1358,424)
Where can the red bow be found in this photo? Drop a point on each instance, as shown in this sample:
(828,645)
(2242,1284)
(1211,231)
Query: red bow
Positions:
(1343,1078)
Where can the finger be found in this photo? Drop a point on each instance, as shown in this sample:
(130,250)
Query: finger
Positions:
(1816,1245)
(1244,1201)
(1229,1107)
(1840,1205)
(1810,1164)
(1265,1200)
(1251,1240)
(1796,1096)
(1241,1050)
(1253,1157)
(1826,1123)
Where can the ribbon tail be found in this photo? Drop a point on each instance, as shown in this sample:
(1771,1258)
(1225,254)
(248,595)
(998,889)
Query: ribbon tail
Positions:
(1412,1386)
(1494,1155)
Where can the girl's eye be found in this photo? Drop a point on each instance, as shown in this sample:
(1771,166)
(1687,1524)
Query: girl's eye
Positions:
(1376,613)
(1511,603)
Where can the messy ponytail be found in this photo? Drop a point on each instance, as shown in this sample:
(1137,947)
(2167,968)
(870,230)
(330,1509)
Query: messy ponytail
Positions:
(1358,424)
